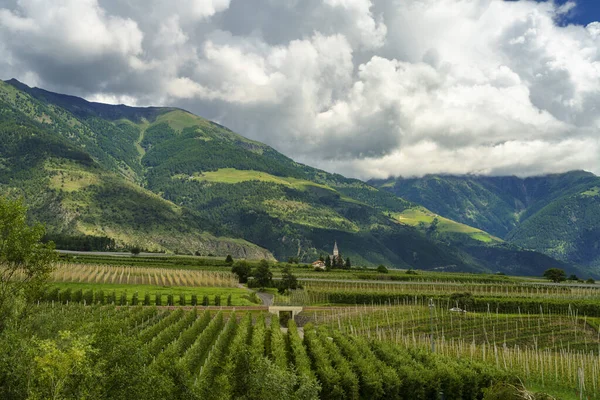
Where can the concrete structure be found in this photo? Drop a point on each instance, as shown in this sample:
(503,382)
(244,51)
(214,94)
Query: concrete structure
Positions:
(295,310)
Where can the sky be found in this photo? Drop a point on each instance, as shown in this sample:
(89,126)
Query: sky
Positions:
(366,88)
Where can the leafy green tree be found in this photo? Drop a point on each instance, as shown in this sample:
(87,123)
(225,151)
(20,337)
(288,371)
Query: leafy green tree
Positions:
(135,250)
(382,269)
(572,277)
(60,366)
(348,263)
(555,275)
(229,259)
(590,281)
(25,262)
(327,262)
(263,274)
(288,280)
(242,270)
(463,300)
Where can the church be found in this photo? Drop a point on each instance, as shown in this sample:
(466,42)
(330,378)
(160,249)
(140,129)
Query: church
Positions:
(336,259)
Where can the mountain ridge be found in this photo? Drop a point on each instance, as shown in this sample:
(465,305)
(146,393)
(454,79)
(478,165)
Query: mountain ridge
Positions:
(226,188)
(558,214)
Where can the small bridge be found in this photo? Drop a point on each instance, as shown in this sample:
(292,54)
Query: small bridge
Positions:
(294,310)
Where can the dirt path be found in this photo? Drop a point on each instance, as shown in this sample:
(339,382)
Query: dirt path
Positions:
(267,298)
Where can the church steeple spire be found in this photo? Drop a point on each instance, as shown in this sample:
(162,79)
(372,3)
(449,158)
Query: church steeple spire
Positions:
(335,250)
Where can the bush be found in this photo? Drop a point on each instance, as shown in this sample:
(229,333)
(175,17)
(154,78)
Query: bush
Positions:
(135,299)
(88,297)
(182,299)
(77,296)
(111,298)
(53,295)
(229,300)
(170,300)
(147,299)
(100,297)
(382,269)
(158,299)
(205,301)
(65,296)
(218,300)
(590,281)
(194,300)
(123,299)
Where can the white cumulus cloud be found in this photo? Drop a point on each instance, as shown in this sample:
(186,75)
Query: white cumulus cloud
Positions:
(369,88)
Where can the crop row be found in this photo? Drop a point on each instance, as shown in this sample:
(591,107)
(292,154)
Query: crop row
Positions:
(477,289)
(85,273)
(101,297)
(512,304)
(221,355)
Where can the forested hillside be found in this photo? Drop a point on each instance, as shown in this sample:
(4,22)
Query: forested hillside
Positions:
(555,214)
(165,179)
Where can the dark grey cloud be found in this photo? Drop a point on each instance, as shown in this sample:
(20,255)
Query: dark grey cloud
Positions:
(369,88)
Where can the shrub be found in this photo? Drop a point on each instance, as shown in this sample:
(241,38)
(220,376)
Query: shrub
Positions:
(100,297)
(123,299)
(218,300)
(170,300)
(77,296)
(182,299)
(147,299)
(194,300)
(53,295)
(65,296)
(229,300)
(382,269)
(158,299)
(205,300)
(135,299)
(88,297)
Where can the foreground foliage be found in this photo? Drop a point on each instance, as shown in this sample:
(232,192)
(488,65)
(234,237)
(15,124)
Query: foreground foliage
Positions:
(102,352)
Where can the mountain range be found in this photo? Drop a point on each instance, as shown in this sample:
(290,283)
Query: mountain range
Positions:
(558,215)
(113,176)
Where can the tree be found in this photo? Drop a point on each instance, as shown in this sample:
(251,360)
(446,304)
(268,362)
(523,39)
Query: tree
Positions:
(555,275)
(242,270)
(348,264)
(590,281)
(263,274)
(382,269)
(25,262)
(229,259)
(288,280)
(135,250)
(572,277)
(327,262)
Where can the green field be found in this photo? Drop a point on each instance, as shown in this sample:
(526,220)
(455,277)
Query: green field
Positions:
(422,218)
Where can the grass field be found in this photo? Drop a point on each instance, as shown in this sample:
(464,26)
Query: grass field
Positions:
(422,218)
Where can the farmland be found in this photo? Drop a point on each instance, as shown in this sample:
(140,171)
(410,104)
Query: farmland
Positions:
(189,330)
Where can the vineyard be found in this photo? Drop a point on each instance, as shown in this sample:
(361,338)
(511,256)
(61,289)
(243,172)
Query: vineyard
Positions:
(192,354)
(85,273)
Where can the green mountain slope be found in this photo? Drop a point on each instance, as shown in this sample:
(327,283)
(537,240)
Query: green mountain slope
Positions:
(171,180)
(556,214)
(46,157)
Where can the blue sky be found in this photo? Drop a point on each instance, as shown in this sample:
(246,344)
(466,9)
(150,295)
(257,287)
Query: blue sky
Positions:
(586,11)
